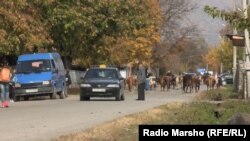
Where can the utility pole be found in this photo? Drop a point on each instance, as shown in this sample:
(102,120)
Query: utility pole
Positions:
(235,84)
(247,74)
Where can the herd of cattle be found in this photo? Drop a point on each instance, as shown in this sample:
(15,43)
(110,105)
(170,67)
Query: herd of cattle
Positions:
(188,82)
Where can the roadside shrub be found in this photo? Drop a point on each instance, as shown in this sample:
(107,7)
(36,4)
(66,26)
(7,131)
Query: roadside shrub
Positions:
(221,94)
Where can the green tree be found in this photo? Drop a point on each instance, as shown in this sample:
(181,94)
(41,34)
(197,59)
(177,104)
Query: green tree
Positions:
(107,31)
(234,18)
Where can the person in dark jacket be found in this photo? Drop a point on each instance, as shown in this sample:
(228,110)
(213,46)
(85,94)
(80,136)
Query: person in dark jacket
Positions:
(141,79)
(68,78)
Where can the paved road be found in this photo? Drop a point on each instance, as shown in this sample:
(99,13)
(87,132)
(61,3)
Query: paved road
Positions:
(44,119)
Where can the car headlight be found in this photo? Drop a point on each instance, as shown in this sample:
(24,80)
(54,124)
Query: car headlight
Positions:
(46,82)
(113,86)
(85,85)
(17,85)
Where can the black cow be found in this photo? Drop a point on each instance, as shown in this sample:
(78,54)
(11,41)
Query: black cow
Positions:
(187,83)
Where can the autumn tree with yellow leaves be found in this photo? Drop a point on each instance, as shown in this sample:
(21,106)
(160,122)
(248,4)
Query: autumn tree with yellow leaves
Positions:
(107,31)
(88,32)
(220,54)
(144,34)
(84,31)
(22,28)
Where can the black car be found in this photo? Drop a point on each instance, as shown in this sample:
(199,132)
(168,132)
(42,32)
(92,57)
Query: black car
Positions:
(102,82)
(226,78)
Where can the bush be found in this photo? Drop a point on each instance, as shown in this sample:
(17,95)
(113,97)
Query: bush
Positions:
(221,94)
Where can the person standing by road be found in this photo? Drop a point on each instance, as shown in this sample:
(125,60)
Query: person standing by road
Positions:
(141,79)
(68,78)
(4,85)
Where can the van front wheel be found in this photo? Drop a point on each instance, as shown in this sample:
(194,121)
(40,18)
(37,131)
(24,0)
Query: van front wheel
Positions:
(63,93)
(53,95)
(26,98)
(66,91)
(16,98)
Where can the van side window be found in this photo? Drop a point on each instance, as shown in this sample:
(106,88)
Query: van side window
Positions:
(58,62)
(56,59)
(53,64)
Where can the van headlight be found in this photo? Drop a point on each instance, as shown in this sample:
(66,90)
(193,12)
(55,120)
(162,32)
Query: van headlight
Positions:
(46,82)
(17,85)
(113,86)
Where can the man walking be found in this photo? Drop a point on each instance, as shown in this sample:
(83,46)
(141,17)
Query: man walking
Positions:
(141,79)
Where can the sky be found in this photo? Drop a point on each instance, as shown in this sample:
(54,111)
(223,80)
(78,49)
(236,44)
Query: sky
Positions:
(208,26)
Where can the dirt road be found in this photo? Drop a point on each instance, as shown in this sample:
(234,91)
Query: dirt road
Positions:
(44,119)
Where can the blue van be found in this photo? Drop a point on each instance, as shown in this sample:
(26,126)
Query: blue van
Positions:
(39,74)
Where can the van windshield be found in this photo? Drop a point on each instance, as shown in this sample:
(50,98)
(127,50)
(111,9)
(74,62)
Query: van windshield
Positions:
(33,66)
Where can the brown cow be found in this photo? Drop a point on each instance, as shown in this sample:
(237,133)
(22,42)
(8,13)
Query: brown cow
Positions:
(131,82)
(162,83)
(210,82)
(168,80)
(196,83)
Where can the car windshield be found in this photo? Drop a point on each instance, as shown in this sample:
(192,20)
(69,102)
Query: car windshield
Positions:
(33,66)
(229,76)
(101,73)
(224,74)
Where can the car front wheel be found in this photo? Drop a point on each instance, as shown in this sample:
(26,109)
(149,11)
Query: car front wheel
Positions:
(84,98)
(119,96)
(122,97)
